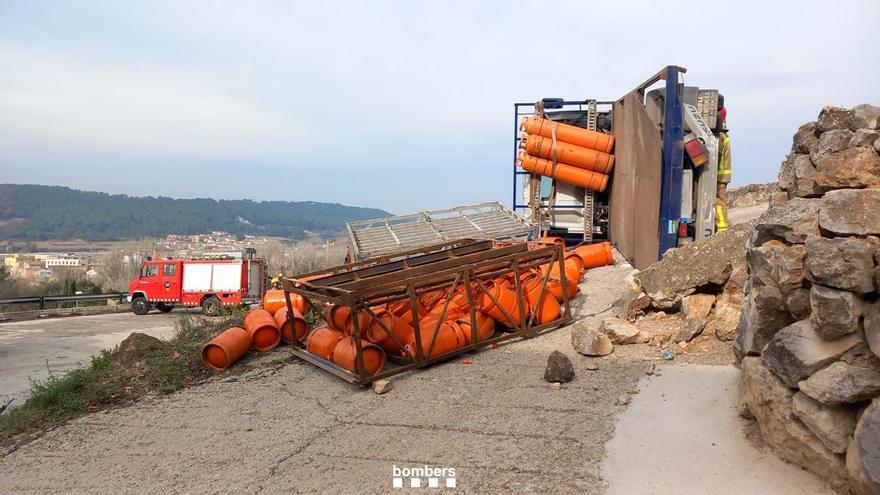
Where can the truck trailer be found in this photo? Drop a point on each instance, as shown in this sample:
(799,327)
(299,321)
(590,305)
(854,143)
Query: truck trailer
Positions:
(661,191)
(211,281)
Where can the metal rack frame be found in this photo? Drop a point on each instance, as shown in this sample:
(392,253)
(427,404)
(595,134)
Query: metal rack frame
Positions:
(464,263)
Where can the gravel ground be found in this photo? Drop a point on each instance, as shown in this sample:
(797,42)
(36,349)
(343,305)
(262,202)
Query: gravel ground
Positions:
(287,427)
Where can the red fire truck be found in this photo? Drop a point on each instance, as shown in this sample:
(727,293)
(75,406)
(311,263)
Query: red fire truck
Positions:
(210,281)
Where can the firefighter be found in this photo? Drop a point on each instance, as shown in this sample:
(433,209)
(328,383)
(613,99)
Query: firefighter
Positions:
(725,167)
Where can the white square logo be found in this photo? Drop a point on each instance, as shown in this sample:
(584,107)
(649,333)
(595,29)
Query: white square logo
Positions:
(450,482)
(397,482)
(415,482)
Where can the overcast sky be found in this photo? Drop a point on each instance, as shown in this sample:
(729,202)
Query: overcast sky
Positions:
(401,105)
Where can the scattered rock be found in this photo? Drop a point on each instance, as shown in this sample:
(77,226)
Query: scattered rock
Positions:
(591,366)
(689,330)
(864,116)
(832,425)
(792,222)
(697,306)
(135,348)
(621,331)
(631,305)
(683,344)
(727,313)
(842,262)
(864,138)
(623,399)
(863,455)
(831,118)
(559,368)
(769,401)
(853,167)
(590,341)
(834,313)
(797,351)
(382,386)
(555,386)
(850,212)
(842,383)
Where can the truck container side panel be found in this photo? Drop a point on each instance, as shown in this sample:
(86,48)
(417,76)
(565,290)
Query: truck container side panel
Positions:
(227,277)
(255,275)
(635,187)
(196,277)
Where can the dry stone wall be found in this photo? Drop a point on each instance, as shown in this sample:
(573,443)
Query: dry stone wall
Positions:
(809,330)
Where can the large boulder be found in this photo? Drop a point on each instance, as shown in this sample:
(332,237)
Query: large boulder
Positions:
(850,212)
(831,118)
(863,455)
(769,401)
(842,383)
(797,351)
(834,313)
(864,116)
(791,222)
(677,275)
(851,168)
(590,341)
(798,304)
(842,262)
(697,306)
(763,314)
(691,328)
(833,425)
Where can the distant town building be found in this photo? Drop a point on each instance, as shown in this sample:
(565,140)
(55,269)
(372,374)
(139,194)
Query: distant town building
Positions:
(50,262)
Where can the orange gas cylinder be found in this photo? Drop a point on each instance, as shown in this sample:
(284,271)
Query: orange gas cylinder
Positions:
(593,181)
(322,341)
(572,277)
(578,156)
(262,329)
(485,328)
(453,311)
(572,258)
(506,298)
(594,255)
(345,353)
(398,326)
(447,340)
(401,309)
(341,319)
(431,299)
(294,329)
(274,299)
(549,309)
(568,133)
(227,348)
(552,241)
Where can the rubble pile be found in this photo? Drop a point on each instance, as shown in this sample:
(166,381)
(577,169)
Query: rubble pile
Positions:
(751,194)
(809,334)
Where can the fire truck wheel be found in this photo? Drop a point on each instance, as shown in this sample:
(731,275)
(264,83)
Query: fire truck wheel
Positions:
(211,306)
(140,306)
(165,308)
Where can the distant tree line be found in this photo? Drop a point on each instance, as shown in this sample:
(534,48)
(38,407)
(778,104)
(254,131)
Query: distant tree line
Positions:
(35,212)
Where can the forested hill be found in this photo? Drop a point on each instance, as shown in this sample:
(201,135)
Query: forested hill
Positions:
(34,212)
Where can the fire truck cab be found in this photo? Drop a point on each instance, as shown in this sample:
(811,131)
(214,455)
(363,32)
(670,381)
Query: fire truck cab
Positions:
(211,281)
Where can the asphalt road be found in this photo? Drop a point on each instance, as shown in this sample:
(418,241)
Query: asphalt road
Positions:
(31,350)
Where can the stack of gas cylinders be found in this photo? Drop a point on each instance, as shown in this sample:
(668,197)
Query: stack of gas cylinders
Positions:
(577,156)
(443,326)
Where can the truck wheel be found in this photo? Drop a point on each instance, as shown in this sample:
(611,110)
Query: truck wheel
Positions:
(165,308)
(140,306)
(211,306)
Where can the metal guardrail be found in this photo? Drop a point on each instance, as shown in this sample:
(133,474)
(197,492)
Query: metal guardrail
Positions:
(42,300)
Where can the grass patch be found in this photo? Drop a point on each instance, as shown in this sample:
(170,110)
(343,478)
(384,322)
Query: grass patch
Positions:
(133,369)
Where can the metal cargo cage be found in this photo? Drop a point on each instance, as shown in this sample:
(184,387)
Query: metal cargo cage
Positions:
(364,286)
(490,221)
